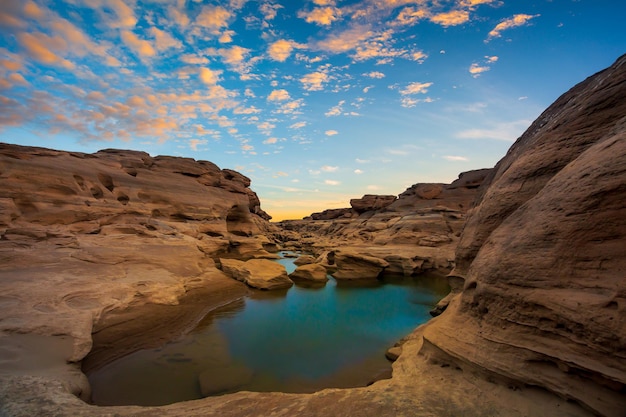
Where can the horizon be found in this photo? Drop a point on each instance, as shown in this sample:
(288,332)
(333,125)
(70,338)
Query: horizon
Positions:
(317,102)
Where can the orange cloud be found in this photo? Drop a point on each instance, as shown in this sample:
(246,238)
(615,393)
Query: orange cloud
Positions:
(416,88)
(515,21)
(345,41)
(452,18)
(322,15)
(40,47)
(280,50)
(208,76)
(141,47)
(213,17)
(314,81)
(164,40)
(278,95)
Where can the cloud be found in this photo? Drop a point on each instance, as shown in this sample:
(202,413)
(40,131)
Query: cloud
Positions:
(164,40)
(375,74)
(476,69)
(298,125)
(419,56)
(141,47)
(281,49)
(506,131)
(331,132)
(208,76)
(40,47)
(512,22)
(278,95)
(331,182)
(323,16)
(269,10)
(336,110)
(452,18)
(329,168)
(270,141)
(345,41)
(213,18)
(358,171)
(193,143)
(314,81)
(455,158)
(415,88)
(362,161)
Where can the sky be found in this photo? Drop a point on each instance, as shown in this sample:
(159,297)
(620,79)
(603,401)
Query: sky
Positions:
(317,101)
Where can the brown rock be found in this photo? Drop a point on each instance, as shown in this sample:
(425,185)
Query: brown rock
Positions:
(304,260)
(310,272)
(356,266)
(542,256)
(371,202)
(257,273)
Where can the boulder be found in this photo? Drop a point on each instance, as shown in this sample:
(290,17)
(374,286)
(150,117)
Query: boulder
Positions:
(356,266)
(371,202)
(310,272)
(304,260)
(257,273)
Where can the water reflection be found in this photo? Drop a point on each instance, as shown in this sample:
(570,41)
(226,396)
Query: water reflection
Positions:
(296,340)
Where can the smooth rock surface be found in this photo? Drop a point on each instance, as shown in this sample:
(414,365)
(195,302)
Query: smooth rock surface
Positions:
(257,273)
(310,272)
(543,257)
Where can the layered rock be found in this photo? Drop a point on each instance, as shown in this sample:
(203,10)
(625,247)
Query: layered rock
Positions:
(540,265)
(84,237)
(257,273)
(309,272)
(409,234)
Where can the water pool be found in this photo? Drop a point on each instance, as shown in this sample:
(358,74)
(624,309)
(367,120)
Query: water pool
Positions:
(297,340)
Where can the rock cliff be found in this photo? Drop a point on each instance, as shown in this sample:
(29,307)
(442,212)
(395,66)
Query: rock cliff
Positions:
(541,264)
(407,235)
(85,236)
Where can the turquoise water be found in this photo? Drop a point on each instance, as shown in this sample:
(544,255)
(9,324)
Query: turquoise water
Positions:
(296,340)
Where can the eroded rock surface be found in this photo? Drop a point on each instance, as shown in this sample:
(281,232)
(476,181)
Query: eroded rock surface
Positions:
(542,258)
(257,273)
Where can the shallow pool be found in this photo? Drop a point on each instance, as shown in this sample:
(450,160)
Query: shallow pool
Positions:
(297,340)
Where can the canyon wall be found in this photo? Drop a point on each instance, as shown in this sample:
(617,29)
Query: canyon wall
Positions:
(541,264)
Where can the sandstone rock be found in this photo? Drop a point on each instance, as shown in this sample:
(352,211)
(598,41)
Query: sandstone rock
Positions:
(542,257)
(309,272)
(371,202)
(304,260)
(393,353)
(257,273)
(356,266)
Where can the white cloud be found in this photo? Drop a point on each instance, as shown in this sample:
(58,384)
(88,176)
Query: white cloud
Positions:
(508,131)
(374,74)
(362,161)
(455,158)
(358,171)
(331,182)
(329,168)
(298,125)
(331,132)
(193,143)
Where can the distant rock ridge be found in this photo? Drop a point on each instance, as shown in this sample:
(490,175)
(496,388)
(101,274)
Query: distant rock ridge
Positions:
(539,278)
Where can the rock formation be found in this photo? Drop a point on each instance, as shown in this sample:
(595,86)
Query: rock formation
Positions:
(535,325)
(540,267)
(85,237)
(257,273)
(406,235)
(310,272)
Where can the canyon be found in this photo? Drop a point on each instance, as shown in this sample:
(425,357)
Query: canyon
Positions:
(99,247)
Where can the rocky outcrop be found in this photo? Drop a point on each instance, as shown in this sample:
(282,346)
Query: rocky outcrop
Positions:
(371,202)
(257,273)
(309,272)
(541,261)
(85,237)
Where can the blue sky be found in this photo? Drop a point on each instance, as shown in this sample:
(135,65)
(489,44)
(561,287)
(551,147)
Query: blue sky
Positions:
(316,101)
